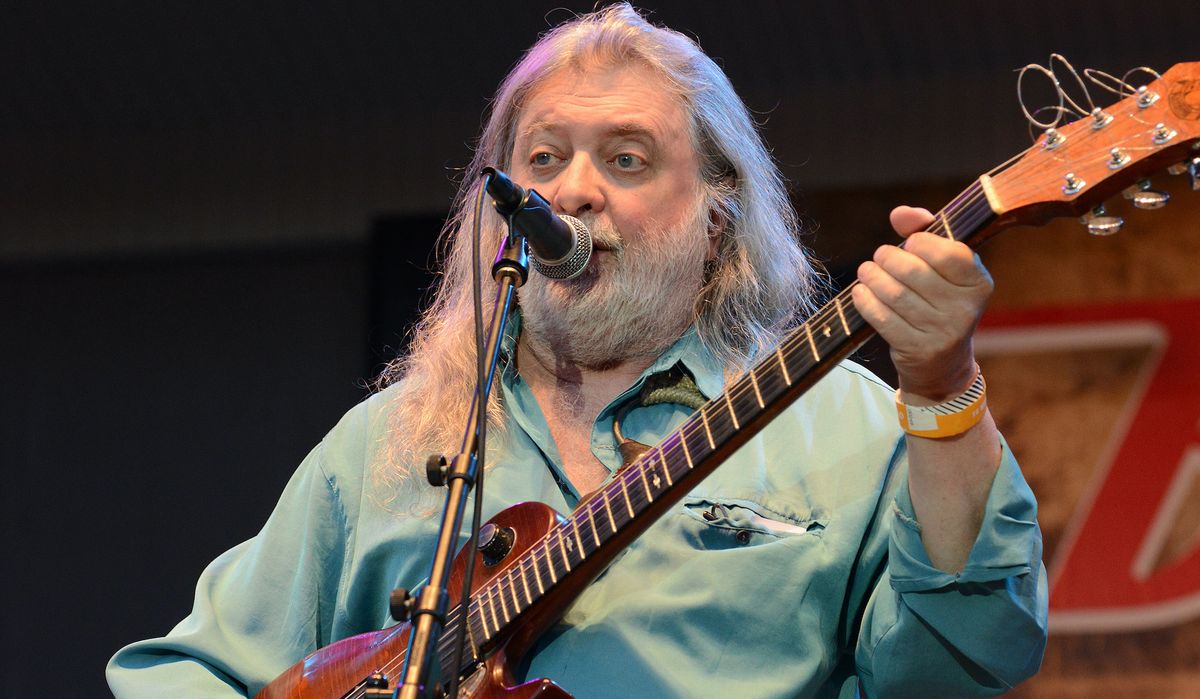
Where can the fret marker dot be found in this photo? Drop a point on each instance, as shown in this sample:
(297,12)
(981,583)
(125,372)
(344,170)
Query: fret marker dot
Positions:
(656,481)
(826,331)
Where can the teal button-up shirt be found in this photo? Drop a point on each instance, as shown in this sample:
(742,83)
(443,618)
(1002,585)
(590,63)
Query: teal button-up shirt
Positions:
(796,569)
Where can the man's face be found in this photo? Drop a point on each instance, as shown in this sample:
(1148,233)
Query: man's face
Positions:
(612,147)
(613,142)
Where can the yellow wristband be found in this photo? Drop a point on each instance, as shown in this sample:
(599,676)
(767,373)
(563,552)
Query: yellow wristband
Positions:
(946,419)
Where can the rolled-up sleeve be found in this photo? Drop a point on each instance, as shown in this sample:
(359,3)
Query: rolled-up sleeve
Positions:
(975,633)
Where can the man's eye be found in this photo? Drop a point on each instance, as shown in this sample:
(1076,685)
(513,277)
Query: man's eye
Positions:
(542,158)
(628,161)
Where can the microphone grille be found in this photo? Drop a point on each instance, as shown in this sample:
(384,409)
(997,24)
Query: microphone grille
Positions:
(576,260)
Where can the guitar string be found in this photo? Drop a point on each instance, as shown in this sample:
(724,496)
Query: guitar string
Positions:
(689,429)
(496,588)
(824,317)
(575,524)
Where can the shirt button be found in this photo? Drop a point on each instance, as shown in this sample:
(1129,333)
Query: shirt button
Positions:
(743,536)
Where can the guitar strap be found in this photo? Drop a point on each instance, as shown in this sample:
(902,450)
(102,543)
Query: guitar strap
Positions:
(672,386)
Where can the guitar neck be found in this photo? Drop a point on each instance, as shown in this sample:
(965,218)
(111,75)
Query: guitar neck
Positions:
(585,543)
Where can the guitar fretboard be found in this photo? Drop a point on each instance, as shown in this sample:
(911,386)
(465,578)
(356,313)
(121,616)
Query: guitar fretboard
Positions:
(677,463)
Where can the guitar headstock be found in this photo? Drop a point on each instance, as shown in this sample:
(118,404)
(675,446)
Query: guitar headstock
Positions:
(1074,168)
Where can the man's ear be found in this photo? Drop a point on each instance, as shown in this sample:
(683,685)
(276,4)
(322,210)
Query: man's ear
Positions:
(716,233)
(718,221)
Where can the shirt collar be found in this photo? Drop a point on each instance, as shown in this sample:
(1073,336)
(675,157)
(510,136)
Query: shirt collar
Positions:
(687,351)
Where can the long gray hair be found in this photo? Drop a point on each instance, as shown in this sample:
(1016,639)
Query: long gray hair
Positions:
(761,284)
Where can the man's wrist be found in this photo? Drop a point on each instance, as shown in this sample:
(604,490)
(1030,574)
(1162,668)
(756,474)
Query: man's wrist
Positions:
(930,392)
(948,418)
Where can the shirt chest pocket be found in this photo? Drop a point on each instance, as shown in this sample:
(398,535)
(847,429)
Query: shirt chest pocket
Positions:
(723,523)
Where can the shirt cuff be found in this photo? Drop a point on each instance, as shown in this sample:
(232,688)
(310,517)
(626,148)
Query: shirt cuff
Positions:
(1008,538)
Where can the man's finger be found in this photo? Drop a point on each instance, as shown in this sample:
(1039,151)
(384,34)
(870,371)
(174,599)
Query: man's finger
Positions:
(907,220)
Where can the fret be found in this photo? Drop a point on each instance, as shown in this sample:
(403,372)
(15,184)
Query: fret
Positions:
(578,539)
(662,458)
(503,606)
(592,520)
(492,608)
(608,509)
(537,575)
(510,583)
(782,367)
(757,393)
(732,413)
(707,431)
(563,547)
(837,301)
(625,492)
(646,485)
(686,454)
(945,224)
(524,582)
(550,567)
(812,344)
(476,623)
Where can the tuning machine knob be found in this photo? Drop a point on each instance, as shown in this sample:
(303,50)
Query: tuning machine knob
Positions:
(1191,168)
(1100,119)
(1144,197)
(1099,222)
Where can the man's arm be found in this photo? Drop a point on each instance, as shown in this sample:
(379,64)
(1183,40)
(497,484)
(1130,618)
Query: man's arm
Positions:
(925,300)
(961,607)
(976,632)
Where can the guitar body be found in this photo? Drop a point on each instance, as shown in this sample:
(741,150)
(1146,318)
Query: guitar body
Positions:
(337,669)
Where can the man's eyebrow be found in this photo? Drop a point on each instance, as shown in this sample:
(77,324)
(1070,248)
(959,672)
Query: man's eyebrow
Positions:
(633,130)
(538,127)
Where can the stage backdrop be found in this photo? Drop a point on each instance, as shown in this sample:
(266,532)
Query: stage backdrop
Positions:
(1092,353)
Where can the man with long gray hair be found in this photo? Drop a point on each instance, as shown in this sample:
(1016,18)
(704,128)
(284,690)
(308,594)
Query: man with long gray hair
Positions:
(835,552)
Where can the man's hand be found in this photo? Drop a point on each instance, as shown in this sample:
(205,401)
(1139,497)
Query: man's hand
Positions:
(925,300)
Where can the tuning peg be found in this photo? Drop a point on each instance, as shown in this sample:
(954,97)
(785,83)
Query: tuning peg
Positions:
(1191,168)
(1098,222)
(1100,118)
(1144,197)
(1145,97)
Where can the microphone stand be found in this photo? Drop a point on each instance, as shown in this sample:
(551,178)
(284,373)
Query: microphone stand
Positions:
(428,609)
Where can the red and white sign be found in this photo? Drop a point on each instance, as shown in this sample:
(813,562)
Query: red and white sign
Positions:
(1102,576)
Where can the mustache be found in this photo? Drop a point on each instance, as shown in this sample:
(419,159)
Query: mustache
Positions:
(605,235)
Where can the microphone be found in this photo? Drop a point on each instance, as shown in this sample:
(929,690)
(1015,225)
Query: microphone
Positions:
(560,245)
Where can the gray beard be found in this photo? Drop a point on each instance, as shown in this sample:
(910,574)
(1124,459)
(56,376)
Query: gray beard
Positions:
(630,303)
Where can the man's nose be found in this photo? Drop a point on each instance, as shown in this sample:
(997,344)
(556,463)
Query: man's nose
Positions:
(580,187)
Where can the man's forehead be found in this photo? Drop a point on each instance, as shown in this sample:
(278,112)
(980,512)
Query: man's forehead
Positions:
(646,107)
